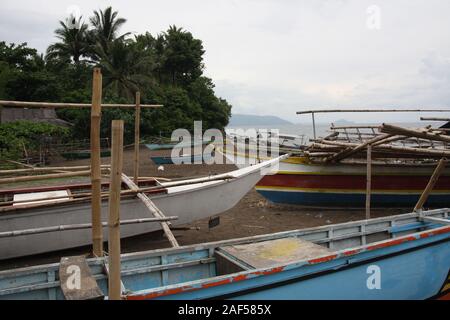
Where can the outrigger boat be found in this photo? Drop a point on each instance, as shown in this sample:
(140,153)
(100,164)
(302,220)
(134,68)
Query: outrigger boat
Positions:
(42,207)
(405,256)
(183,159)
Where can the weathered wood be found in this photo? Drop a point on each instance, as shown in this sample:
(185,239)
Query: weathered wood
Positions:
(153,209)
(371,110)
(388,128)
(97,230)
(368,180)
(52,105)
(76,280)
(431,183)
(114,288)
(137,124)
(46,176)
(346,153)
(417,151)
(434,119)
(46,169)
(79,226)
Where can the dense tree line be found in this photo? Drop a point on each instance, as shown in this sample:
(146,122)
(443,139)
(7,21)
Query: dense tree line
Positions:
(166,68)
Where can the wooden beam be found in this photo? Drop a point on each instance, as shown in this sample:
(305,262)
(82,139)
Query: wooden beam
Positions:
(152,208)
(79,226)
(137,124)
(46,176)
(97,230)
(46,169)
(389,128)
(434,119)
(371,110)
(114,284)
(346,153)
(368,180)
(434,178)
(53,105)
(436,220)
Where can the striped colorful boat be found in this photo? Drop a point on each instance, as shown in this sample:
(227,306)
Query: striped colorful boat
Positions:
(396,257)
(300,182)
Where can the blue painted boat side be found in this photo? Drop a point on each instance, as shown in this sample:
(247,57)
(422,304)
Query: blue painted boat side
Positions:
(411,270)
(351,199)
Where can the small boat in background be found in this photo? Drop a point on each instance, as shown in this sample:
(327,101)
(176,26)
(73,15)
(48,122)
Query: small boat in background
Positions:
(83,154)
(169,146)
(405,256)
(184,159)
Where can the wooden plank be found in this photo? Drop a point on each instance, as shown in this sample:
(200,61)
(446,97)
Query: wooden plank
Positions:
(389,128)
(153,209)
(46,176)
(434,178)
(76,279)
(436,220)
(114,282)
(97,230)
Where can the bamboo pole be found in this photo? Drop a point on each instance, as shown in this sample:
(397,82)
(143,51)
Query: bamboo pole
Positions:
(137,124)
(114,285)
(344,154)
(46,169)
(388,128)
(153,209)
(46,176)
(434,119)
(371,110)
(431,183)
(52,105)
(97,231)
(417,151)
(369,180)
(79,226)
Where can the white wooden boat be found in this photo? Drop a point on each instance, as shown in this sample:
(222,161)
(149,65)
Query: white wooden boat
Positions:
(190,200)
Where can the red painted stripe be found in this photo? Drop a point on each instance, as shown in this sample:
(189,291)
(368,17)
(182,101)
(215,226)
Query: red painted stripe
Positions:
(352,182)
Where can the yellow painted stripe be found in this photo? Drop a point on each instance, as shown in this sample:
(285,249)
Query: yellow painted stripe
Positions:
(326,190)
(446,287)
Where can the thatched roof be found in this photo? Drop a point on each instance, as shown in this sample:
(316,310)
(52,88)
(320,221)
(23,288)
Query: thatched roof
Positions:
(35,115)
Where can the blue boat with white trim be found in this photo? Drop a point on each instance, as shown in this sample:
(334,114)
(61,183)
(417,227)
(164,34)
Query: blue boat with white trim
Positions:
(404,256)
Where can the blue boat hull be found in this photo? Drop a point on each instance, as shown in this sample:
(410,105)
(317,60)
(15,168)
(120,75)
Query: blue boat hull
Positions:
(330,199)
(414,271)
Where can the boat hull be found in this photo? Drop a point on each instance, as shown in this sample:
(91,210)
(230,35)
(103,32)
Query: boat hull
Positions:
(343,185)
(189,202)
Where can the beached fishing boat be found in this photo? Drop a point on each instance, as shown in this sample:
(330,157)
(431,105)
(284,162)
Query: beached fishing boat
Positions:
(300,181)
(183,159)
(190,200)
(83,154)
(405,256)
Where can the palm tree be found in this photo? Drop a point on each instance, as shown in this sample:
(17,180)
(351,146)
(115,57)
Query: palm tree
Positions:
(106,26)
(73,42)
(126,68)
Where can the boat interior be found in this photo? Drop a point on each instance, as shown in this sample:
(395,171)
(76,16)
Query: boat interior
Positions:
(153,270)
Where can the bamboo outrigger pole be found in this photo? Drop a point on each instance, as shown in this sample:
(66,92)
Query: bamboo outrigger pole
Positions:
(114,284)
(137,124)
(96,202)
(434,178)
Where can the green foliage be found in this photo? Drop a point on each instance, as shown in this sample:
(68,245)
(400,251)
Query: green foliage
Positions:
(166,69)
(14,136)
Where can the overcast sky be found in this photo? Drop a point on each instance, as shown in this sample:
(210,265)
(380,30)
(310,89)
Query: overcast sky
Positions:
(277,57)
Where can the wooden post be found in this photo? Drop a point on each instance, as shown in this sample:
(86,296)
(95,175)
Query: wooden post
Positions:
(434,178)
(114,285)
(369,180)
(137,124)
(314,124)
(97,232)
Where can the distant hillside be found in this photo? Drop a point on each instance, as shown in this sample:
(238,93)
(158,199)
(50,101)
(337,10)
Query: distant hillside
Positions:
(254,120)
